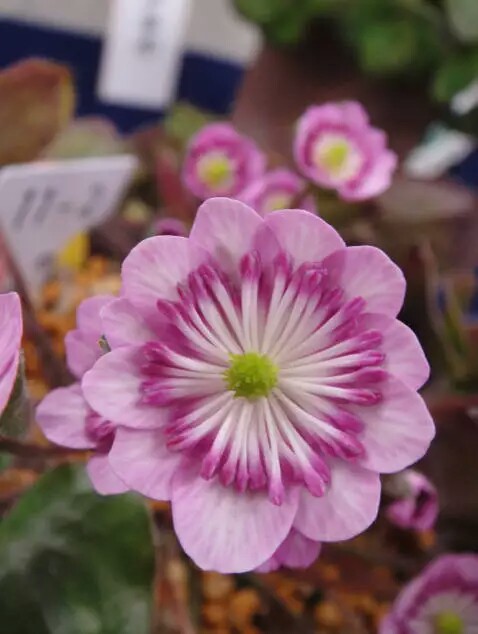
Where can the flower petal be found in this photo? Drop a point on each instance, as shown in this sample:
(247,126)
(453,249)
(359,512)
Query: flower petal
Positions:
(347,509)
(143,461)
(123,325)
(155,267)
(227,531)
(81,352)
(270,565)
(62,417)
(354,114)
(88,315)
(305,236)
(227,229)
(102,476)
(112,388)
(376,182)
(398,431)
(367,272)
(11,327)
(297,550)
(388,626)
(417,507)
(404,358)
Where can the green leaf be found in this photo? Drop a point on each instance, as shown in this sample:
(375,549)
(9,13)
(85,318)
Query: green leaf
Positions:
(455,74)
(6,461)
(283,21)
(184,120)
(394,45)
(463,16)
(72,562)
(89,136)
(16,416)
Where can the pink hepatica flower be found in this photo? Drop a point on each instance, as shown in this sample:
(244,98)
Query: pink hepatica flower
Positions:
(276,190)
(11,328)
(64,415)
(336,148)
(418,507)
(442,600)
(221,162)
(276,388)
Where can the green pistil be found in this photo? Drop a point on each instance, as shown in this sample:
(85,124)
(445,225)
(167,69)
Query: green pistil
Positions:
(216,171)
(251,375)
(334,157)
(449,623)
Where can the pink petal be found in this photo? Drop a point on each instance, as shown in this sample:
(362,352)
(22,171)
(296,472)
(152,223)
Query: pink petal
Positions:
(272,564)
(112,388)
(102,476)
(227,229)
(398,431)
(81,352)
(302,234)
(367,272)
(354,114)
(445,573)
(143,461)
(88,315)
(388,626)
(297,550)
(155,267)
(62,417)
(418,508)
(123,324)
(11,327)
(376,182)
(7,381)
(346,510)
(227,531)
(404,358)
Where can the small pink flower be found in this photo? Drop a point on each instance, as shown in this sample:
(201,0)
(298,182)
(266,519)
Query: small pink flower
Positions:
(11,329)
(272,385)
(418,507)
(221,162)
(337,148)
(65,417)
(170,227)
(275,190)
(442,600)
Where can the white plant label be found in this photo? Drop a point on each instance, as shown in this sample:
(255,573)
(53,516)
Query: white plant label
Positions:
(43,205)
(143,51)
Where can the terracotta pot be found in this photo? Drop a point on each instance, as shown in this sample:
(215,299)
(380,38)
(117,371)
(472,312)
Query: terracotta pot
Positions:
(282,83)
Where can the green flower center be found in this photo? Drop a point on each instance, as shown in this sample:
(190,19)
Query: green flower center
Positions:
(449,623)
(277,201)
(251,375)
(215,171)
(334,157)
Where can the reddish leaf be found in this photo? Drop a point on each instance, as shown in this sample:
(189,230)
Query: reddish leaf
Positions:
(36,101)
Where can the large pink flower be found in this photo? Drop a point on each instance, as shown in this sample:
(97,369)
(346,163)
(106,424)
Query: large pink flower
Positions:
(336,148)
(442,600)
(221,162)
(64,415)
(11,328)
(277,385)
(278,189)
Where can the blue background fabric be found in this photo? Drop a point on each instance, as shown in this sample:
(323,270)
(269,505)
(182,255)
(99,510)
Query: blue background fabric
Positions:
(206,82)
